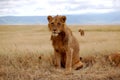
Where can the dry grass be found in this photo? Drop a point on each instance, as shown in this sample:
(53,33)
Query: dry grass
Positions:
(26,53)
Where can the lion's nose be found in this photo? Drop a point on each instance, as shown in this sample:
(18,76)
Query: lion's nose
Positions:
(54,29)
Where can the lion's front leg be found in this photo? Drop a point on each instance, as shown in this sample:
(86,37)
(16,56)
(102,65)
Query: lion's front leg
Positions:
(57,59)
(69,54)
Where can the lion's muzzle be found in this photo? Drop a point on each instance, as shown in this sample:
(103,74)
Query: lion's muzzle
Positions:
(55,32)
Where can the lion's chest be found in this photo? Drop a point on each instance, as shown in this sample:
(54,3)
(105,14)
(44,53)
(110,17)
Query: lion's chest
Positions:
(59,44)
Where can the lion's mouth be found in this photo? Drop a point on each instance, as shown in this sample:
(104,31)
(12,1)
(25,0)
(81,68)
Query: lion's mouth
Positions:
(55,33)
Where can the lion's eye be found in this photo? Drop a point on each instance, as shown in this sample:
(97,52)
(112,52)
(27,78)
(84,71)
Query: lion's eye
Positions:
(58,24)
(52,23)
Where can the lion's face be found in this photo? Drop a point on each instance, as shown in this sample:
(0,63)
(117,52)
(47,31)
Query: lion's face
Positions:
(56,24)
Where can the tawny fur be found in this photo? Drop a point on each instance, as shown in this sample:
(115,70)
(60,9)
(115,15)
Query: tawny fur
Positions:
(66,46)
(81,32)
(114,59)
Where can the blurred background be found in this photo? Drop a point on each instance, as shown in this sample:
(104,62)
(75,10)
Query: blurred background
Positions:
(77,11)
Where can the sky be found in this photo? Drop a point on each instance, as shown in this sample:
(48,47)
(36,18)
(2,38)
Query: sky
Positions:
(54,7)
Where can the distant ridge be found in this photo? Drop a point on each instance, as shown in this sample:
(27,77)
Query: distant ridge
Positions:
(108,18)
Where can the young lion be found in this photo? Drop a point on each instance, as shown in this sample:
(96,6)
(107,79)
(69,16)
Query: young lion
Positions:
(81,32)
(66,47)
(114,59)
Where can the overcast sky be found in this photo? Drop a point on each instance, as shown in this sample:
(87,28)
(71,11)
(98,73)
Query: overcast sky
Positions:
(54,7)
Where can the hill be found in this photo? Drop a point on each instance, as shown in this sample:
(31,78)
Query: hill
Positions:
(107,18)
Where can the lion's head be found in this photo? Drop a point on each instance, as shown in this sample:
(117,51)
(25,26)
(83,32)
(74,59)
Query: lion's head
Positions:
(56,24)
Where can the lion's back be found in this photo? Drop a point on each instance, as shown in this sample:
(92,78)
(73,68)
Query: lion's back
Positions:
(114,59)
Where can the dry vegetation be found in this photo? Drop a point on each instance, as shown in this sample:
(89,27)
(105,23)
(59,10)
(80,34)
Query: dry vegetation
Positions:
(26,53)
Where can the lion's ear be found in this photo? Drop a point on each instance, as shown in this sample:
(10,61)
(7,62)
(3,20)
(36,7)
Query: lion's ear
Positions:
(63,19)
(49,18)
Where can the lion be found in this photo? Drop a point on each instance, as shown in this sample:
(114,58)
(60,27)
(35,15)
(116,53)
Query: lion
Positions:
(81,32)
(66,46)
(114,59)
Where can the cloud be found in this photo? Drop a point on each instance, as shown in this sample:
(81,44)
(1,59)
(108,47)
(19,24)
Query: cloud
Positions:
(53,7)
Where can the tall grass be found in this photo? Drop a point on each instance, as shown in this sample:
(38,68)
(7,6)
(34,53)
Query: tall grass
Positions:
(26,53)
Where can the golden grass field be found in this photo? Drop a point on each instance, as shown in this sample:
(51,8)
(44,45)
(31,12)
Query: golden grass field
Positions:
(26,53)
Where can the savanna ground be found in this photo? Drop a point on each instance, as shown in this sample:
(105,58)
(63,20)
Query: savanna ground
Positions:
(26,53)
